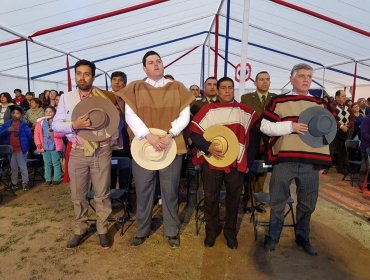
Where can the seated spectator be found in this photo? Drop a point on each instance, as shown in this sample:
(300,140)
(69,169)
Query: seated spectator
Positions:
(19,97)
(52,97)
(356,134)
(25,104)
(34,113)
(5,101)
(195,90)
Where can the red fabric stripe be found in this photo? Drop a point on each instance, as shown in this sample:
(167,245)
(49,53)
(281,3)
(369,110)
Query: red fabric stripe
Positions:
(320,16)
(177,59)
(86,20)
(11,42)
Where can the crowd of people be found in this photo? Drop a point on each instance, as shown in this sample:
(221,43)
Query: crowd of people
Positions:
(167,118)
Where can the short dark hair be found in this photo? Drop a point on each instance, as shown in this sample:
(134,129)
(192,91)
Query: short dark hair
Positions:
(368,99)
(87,63)
(210,78)
(7,96)
(224,79)
(149,53)
(262,72)
(337,93)
(30,93)
(18,90)
(16,108)
(51,107)
(56,92)
(38,102)
(119,74)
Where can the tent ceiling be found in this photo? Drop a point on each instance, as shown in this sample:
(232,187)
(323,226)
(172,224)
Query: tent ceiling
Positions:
(279,37)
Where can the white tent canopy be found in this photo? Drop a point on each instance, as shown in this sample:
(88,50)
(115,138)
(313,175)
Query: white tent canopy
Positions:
(330,35)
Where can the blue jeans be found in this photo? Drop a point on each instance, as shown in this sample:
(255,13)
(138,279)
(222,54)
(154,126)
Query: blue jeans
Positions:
(52,160)
(19,162)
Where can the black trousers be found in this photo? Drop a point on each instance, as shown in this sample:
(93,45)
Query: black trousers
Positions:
(212,180)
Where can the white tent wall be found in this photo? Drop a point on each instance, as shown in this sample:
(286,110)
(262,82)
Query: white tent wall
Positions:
(9,83)
(278,38)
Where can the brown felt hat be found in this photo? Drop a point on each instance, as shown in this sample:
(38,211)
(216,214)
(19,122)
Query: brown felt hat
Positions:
(103,115)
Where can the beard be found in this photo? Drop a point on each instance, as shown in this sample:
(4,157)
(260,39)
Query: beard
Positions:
(83,85)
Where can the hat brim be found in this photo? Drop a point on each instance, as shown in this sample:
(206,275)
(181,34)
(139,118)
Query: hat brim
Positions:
(308,138)
(140,158)
(86,105)
(232,142)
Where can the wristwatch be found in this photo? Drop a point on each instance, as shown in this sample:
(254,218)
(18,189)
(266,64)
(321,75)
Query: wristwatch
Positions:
(170,135)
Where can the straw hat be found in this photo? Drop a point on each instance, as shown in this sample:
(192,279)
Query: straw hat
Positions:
(227,142)
(103,115)
(147,157)
(322,126)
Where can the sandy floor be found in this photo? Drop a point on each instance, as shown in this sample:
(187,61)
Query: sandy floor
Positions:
(35,226)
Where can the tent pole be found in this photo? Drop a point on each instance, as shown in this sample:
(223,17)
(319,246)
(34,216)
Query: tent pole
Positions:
(68,74)
(201,82)
(243,51)
(28,67)
(216,48)
(354,83)
(227,37)
(106,81)
(209,57)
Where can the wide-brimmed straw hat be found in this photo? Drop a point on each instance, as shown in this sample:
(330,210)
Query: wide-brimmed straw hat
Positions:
(227,142)
(147,157)
(322,126)
(103,115)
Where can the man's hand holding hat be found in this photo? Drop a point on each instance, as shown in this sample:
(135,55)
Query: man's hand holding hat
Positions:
(215,150)
(82,122)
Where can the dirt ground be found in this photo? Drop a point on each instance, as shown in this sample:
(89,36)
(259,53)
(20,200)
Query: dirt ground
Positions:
(35,227)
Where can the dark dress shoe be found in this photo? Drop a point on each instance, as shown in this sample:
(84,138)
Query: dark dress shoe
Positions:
(269,244)
(232,243)
(104,241)
(305,244)
(173,241)
(260,209)
(137,241)
(209,242)
(76,240)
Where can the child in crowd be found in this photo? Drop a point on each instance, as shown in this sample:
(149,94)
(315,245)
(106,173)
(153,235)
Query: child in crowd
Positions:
(35,112)
(15,132)
(50,144)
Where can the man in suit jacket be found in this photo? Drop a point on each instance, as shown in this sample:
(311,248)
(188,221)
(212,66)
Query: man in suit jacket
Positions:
(210,95)
(258,100)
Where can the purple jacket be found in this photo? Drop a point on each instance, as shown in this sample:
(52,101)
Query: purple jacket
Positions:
(365,134)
